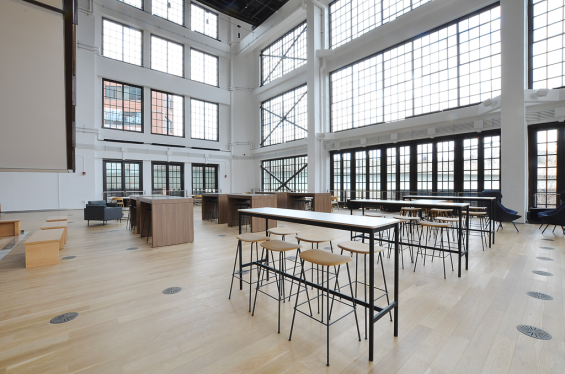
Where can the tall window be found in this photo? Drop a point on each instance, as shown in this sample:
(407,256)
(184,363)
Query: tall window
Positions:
(546,46)
(135,3)
(445,166)
(122,177)
(374,173)
(204,178)
(337,174)
(284,117)
(491,162)
(167,114)
(360,174)
(391,172)
(203,21)
(167,56)
(424,160)
(203,67)
(168,178)
(173,10)
(455,65)
(123,106)
(284,55)
(349,19)
(285,174)
(121,42)
(546,169)
(346,172)
(204,120)
(404,163)
(471,165)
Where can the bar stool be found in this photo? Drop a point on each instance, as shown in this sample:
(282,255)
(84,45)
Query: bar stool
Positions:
(299,203)
(358,248)
(132,216)
(211,212)
(454,224)
(314,238)
(147,223)
(408,232)
(280,247)
(435,212)
(247,238)
(246,220)
(431,226)
(324,259)
(281,231)
(482,215)
(410,212)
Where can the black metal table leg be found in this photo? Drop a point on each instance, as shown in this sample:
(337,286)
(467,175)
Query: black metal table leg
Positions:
(459,246)
(492,221)
(396,276)
(240,257)
(372,293)
(467,243)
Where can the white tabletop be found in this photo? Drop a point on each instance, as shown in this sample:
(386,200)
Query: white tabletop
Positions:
(425,204)
(460,198)
(362,222)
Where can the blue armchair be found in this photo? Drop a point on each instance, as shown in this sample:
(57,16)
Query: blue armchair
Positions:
(101,211)
(555,217)
(501,213)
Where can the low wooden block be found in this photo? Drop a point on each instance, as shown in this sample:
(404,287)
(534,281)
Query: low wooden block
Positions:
(10,227)
(56,218)
(42,248)
(56,225)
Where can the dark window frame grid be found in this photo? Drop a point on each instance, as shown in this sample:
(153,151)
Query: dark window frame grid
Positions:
(395,46)
(277,167)
(183,114)
(266,80)
(283,119)
(167,175)
(204,73)
(151,36)
(484,160)
(123,25)
(534,164)
(204,189)
(422,176)
(349,20)
(206,10)
(122,176)
(361,165)
(204,114)
(468,164)
(168,10)
(104,97)
(348,188)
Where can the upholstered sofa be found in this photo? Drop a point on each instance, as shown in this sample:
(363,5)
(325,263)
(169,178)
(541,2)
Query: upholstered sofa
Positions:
(100,210)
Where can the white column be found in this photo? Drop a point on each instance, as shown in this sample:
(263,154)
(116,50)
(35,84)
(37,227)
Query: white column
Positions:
(313,80)
(188,177)
(148,6)
(147,187)
(514,139)
(187,14)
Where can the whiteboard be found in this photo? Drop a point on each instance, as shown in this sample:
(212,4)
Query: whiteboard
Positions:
(33,133)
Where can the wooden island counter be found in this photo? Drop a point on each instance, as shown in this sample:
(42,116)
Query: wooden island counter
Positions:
(171,219)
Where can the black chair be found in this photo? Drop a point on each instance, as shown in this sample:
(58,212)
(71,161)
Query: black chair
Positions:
(246,220)
(555,217)
(99,210)
(501,213)
(146,224)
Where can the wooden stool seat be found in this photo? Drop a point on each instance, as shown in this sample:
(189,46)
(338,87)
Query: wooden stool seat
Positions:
(282,231)
(251,237)
(409,218)
(434,224)
(477,208)
(410,209)
(319,257)
(402,219)
(441,210)
(42,248)
(279,245)
(448,219)
(476,214)
(56,225)
(377,215)
(358,247)
(311,237)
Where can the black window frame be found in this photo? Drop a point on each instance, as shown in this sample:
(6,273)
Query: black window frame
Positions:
(167,164)
(458,166)
(208,11)
(133,6)
(151,36)
(183,114)
(217,67)
(167,19)
(217,121)
(383,51)
(204,167)
(142,106)
(123,176)
(298,170)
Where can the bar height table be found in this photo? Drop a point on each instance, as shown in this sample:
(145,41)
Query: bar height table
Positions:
(490,200)
(458,207)
(367,225)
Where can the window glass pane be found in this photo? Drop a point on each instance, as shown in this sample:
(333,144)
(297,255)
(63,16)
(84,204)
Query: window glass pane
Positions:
(167,56)
(445,167)
(132,176)
(284,55)
(470,166)
(121,42)
(360,174)
(374,173)
(173,10)
(167,114)
(546,192)
(122,106)
(404,163)
(113,176)
(204,120)
(204,21)
(492,162)
(284,117)
(391,173)
(336,165)
(349,19)
(203,67)
(424,164)
(135,3)
(286,174)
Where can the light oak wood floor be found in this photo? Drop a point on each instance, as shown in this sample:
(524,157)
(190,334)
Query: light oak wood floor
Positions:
(127,325)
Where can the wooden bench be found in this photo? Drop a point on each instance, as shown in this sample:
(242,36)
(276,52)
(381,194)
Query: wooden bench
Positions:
(10,227)
(56,218)
(42,248)
(56,225)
